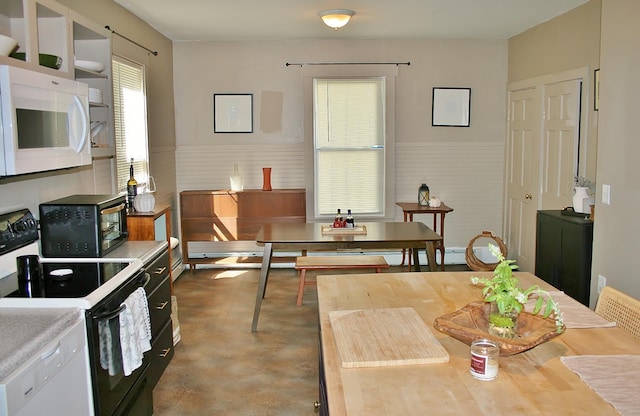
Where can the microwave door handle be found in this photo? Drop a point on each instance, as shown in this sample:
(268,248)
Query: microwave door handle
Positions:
(84,133)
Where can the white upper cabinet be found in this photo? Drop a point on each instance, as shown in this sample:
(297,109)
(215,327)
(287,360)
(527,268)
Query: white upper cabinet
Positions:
(56,40)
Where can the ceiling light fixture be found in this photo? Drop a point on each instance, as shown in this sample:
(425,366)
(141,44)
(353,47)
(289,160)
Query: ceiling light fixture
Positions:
(336,18)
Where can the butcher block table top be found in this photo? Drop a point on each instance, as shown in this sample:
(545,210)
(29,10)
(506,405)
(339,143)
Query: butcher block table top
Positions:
(535,382)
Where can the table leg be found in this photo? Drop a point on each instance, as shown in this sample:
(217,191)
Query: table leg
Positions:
(404,250)
(416,259)
(431,255)
(262,284)
(442,214)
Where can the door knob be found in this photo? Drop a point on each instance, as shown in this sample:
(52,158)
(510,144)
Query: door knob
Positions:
(528,196)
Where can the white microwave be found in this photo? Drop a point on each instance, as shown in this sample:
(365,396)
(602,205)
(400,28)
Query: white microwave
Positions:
(44,122)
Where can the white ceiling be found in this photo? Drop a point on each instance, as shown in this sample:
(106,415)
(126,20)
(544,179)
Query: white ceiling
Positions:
(374,19)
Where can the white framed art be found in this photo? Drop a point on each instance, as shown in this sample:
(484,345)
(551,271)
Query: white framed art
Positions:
(451,107)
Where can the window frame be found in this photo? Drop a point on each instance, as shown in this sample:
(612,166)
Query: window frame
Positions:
(141,167)
(389,73)
(371,148)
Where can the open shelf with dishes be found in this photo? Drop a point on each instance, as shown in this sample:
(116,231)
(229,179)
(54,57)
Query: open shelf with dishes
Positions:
(92,65)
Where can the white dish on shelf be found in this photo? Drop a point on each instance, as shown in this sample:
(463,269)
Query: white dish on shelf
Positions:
(7,45)
(89,65)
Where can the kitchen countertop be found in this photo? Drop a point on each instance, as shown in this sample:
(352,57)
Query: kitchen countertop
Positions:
(135,252)
(24,331)
(27,325)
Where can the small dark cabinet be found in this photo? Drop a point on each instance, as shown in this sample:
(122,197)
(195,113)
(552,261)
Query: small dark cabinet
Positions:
(563,253)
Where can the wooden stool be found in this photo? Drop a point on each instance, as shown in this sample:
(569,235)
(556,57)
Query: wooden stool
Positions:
(305,263)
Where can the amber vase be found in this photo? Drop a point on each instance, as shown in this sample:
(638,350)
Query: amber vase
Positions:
(266,179)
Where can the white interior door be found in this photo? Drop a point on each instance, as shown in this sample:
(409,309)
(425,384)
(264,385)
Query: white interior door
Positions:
(522,175)
(542,158)
(561,134)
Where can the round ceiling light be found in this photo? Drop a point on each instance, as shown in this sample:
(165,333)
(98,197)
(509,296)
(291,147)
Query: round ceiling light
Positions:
(336,18)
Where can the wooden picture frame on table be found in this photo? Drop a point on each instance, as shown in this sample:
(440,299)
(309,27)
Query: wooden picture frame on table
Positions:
(233,113)
(451,107)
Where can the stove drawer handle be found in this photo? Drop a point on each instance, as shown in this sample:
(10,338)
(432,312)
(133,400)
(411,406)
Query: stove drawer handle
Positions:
(110,315)
(164,353)
(162,305)
(160,270)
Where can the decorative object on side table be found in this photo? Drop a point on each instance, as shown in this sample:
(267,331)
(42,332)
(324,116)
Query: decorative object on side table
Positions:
(266,179)
(500,317)
(582,195)
(423,195)
(235,180)
(145,201)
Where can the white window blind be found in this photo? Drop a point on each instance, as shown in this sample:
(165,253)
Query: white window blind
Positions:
(349,145)
(130,113)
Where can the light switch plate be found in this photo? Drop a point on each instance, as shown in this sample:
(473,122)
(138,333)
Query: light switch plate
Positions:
(606,194)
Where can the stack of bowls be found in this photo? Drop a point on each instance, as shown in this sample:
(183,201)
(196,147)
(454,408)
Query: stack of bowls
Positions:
(95,96)
(7,45)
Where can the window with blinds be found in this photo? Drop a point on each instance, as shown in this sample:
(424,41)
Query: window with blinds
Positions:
(130,112)
(349,145)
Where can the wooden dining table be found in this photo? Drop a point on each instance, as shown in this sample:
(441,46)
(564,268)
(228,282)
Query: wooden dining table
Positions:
(534,382)
(311,237)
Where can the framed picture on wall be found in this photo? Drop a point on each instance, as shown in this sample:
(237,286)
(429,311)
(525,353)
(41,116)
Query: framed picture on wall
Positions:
(451,107)
(233,113)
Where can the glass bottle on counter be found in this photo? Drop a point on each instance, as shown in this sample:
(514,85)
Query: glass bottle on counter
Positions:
(349,222)
(132,188)
(338,220)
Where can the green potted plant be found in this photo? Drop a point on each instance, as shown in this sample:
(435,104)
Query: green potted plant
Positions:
(508,299)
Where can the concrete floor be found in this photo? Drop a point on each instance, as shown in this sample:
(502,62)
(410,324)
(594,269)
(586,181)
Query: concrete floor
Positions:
(221,368)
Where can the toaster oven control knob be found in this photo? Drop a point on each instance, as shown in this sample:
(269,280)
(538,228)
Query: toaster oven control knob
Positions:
(19,227)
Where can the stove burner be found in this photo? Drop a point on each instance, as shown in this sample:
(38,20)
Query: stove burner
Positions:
(61,274)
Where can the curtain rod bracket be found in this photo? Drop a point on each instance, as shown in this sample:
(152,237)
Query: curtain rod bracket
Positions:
(154,53)
(301,64)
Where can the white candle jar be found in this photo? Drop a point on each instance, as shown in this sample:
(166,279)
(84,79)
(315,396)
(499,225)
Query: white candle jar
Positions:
(484,359)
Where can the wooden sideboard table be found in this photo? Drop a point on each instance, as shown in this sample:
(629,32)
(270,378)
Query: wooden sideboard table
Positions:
(409,209)
(228,219)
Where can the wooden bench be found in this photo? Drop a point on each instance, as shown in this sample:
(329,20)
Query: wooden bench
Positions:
(305,263)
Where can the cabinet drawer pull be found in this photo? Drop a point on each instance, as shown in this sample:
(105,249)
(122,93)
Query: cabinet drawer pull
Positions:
(164,353)
(162,305)
(160,270)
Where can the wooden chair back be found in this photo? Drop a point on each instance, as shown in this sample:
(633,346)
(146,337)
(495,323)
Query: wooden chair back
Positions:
(621,308)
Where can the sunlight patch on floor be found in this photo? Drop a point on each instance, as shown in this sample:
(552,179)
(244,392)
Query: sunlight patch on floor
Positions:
(228,274)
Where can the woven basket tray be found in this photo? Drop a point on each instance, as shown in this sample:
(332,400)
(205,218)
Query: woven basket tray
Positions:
(471,322)
(357,230)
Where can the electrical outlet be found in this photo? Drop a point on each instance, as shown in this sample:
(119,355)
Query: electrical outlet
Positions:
(602,282)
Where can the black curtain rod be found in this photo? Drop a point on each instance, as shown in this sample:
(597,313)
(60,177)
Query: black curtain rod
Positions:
(348,63)
(154,53)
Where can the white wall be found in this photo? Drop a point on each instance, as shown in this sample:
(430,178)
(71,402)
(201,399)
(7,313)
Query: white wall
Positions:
(462,166)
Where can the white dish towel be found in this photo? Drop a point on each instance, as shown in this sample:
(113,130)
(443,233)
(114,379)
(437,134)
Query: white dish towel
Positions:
(135,330)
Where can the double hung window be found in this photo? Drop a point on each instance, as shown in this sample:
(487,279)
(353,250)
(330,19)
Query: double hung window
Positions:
(130,112)
(349,145)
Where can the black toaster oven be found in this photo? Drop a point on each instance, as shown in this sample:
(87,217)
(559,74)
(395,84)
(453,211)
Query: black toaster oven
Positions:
(83,225)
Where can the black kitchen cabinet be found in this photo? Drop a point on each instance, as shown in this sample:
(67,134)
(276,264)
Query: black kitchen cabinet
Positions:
(159,299)
(563,253)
